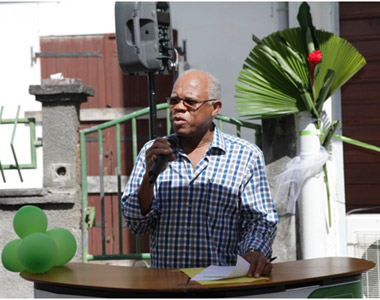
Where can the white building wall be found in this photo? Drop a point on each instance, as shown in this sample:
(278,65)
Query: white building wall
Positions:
(19,33)
(219,37)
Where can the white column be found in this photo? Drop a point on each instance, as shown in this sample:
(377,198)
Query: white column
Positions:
(313,197)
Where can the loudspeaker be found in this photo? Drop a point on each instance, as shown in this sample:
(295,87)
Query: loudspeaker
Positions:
(144,37)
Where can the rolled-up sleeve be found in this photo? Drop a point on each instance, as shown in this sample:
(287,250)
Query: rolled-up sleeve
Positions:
(259,216)
(136,222)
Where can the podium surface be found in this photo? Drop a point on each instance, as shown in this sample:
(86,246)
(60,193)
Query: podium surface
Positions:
(303,277)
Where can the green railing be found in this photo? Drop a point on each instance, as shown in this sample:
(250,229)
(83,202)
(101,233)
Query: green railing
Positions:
(34,143)
(88,213)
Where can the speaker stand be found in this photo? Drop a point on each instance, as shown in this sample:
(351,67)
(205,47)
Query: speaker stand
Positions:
(152,105)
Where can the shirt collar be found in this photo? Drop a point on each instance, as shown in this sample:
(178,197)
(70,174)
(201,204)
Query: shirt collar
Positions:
(218,141)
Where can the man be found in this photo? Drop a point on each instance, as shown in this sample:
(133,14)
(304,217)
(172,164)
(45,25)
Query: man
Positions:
(212,201)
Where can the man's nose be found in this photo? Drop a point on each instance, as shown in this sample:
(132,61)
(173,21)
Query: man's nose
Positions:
(180,105)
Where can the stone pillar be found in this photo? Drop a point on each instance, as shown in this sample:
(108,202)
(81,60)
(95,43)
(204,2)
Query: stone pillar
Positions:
(61,100)
(61,193)
(279,147)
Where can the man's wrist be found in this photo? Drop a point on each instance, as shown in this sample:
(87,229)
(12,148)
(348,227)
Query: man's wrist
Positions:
(270,258)
(253,250)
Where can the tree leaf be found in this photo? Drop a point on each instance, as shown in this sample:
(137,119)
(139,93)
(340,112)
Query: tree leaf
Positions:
(256,39)
(308,100)
(338,55)
(324,92)
(306,23)
(330,133)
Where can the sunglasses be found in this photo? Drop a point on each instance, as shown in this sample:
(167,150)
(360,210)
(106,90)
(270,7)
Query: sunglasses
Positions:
(194,104)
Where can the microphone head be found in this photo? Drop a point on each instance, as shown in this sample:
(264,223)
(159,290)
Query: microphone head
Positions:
(173,140)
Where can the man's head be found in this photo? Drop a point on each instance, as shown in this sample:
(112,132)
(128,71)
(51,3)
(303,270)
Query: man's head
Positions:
(195,101)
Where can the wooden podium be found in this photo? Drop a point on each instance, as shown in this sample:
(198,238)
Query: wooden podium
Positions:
(314,278)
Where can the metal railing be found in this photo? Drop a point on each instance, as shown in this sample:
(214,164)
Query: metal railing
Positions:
(88,213)
(34,143)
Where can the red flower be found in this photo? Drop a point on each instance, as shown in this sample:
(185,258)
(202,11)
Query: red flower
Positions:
(315,57)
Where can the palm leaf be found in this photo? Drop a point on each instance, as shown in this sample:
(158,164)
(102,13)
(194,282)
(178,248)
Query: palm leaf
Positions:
(273,90)
(270,84)
(339,56)
(305,20)
(275,79)
(325,89)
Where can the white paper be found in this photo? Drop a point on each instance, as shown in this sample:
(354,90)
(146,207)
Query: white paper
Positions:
(222,272)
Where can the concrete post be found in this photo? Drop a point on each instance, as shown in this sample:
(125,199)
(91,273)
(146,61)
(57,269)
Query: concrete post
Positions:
(61,99)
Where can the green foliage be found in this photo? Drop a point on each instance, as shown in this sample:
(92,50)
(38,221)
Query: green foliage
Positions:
(275,79)
(340,56)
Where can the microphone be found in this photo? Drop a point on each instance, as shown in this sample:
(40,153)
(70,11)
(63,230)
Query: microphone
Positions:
(162,160)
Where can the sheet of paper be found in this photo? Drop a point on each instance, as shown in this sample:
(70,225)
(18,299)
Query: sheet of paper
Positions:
(223,272)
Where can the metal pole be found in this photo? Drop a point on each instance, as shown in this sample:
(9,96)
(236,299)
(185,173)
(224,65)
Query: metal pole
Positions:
(102,193)
(152,105)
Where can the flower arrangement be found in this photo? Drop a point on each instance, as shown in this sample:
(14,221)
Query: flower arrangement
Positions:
(296,70)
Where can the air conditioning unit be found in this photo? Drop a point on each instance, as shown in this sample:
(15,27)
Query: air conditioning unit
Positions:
(363,241)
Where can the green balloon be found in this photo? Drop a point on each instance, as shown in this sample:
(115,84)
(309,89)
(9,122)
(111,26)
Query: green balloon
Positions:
(37,252)
(9,256)
(29,219)
(66,243)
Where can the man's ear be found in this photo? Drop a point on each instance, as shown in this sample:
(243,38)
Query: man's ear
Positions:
(217,106)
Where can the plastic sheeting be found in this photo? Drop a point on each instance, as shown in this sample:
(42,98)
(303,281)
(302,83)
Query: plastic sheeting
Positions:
(297,171)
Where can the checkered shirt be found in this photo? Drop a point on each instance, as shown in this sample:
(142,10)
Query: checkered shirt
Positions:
(209,214)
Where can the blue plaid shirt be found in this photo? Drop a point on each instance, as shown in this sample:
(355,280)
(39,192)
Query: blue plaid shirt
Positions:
(209,214)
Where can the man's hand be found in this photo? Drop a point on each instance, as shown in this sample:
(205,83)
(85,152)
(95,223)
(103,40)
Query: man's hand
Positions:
(161,146)
(259,264)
